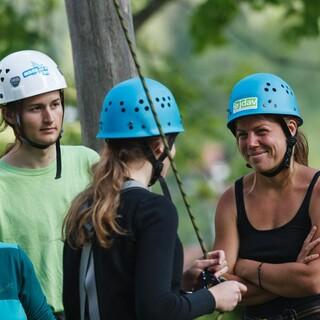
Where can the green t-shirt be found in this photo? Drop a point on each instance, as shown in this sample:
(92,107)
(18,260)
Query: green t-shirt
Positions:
(33,205)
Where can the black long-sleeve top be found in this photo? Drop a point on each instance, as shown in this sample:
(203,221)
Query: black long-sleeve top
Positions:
(139,277)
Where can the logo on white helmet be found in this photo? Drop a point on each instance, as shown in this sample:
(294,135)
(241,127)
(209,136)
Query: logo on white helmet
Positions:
(15,81)
(36,69)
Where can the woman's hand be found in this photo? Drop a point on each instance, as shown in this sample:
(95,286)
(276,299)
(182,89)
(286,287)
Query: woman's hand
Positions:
(305,255)
(228,294)
(215,263)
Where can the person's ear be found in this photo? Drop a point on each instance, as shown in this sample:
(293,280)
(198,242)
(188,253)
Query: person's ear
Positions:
(9,116)
(157,147)
(292,126)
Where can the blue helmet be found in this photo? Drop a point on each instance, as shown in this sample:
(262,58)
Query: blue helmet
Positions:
(262,94)
(126,112)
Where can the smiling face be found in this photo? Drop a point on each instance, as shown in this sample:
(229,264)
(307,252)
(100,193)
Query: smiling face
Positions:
(261,141)
(41,117)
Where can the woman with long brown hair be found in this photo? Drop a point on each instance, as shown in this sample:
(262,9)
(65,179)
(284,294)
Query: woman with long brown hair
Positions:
(123,258)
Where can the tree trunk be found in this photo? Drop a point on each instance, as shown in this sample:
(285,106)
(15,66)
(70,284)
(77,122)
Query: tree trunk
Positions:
(101,57)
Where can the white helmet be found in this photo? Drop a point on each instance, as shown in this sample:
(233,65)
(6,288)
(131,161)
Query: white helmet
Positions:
(28,73)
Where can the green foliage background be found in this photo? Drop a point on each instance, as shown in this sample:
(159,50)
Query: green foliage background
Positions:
(199,49)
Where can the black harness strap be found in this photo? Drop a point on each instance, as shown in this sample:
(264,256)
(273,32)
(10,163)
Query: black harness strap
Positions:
(285,163)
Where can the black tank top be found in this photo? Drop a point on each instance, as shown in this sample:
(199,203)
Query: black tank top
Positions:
(277,245)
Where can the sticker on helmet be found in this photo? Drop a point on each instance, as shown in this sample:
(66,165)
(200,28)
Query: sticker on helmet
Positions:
(36,69)
(15,81)
(245,104)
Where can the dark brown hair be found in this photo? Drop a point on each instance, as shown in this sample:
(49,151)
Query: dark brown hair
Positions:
(11,108)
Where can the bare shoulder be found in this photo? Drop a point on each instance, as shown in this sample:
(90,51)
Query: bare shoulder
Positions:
(306,174)
(314,210)
(226,206)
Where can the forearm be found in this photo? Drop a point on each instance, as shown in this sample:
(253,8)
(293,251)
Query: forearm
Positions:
(288,279)
(254,295)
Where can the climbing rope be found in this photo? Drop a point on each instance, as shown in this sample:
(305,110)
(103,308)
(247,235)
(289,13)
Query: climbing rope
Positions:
(162,135)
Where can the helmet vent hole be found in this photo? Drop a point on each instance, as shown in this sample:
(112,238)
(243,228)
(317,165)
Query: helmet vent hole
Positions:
(157,99)
(2,79)
(7,70)
(282,86)
(106,110)
(0,70)
(287,91)
(146,108)
(163,99)
(136,109)
(266,89)
(110,103)
(169,105)
(264,105)
(169,98)
(143,126)
(162,105)
(130,125)
(169,124)
(274,89)
(291,93)
(141,101)
(269,101)
(123,109)
(268,84)
(1,95)
(121,103)
(275,105)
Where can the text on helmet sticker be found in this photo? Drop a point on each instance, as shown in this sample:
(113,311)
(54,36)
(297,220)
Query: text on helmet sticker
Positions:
(245,104)
(36,69)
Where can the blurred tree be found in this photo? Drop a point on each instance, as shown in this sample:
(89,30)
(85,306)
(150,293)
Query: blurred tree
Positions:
(26,24)
(100,53)
(150,7)
(29,25)
(101,56)
(211,18)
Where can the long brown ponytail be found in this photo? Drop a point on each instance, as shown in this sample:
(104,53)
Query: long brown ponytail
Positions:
(98,204)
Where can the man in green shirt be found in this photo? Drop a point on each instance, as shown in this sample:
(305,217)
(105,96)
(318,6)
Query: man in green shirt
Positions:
(38,178)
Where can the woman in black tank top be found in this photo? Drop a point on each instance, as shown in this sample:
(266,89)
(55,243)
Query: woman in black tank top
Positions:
(263,222)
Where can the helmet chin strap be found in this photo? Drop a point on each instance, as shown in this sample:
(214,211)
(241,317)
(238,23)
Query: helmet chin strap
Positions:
(285,163)
(157,166)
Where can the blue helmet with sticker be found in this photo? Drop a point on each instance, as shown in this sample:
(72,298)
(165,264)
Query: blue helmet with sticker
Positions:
(262,94)
(126,112)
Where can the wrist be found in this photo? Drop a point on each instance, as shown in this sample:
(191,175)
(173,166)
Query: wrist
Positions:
(259,275)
